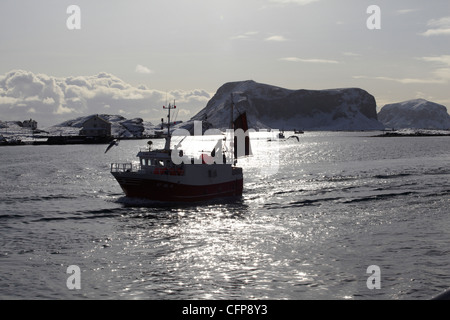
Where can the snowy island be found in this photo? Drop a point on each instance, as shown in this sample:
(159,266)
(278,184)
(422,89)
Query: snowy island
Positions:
(415,114)
(269,106)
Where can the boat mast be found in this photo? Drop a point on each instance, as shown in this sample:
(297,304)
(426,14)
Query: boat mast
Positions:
(231,116)
(232,140)
(170,107)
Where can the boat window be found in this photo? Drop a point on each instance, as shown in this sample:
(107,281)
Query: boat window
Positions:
(144,162)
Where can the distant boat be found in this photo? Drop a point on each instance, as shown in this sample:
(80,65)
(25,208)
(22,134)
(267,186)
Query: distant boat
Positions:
(298,131)
(158,177)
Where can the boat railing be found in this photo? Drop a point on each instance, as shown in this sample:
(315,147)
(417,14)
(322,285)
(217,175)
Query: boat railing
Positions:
(121,167)
(153,150)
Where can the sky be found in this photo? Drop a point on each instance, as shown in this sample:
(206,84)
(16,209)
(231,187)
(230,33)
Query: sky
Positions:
(131,57)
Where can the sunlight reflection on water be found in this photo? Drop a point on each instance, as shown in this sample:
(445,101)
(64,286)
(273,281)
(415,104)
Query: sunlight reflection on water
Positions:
(337,203)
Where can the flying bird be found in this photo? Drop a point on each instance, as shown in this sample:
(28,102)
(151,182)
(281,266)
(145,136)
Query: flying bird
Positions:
(113,143)
(294,137)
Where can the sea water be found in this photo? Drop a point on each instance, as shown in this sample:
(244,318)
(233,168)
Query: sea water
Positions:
(332,205)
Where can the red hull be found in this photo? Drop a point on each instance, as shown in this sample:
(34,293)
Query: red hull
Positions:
(167,191)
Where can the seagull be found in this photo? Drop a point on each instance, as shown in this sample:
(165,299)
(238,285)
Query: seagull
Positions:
(113,143)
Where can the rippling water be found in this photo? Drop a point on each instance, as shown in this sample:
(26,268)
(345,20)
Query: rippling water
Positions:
(332,205)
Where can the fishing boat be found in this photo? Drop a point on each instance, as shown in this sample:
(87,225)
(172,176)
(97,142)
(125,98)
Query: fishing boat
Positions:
(160,174)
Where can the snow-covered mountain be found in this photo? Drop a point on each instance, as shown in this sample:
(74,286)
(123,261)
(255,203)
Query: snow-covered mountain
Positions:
(11,128)
(120,126)
(269,106)
(415,114)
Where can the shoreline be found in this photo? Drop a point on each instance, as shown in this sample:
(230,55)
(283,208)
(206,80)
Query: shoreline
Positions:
(418,133)
(68,140)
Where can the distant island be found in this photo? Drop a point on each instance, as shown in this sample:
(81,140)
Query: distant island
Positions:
(270,106)
(415,114)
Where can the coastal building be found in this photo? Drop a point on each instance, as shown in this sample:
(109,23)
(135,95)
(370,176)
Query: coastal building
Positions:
(96,126)
(31,124)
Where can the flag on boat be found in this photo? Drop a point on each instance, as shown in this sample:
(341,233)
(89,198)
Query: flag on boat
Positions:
(242,146)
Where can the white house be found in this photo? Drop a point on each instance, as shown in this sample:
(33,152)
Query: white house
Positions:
(96,126)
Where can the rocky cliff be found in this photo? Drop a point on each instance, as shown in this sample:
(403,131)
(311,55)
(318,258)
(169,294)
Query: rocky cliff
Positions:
(269,106)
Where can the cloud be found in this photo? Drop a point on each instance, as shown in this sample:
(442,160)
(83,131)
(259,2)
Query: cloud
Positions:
(403,80)
(246,35)
(406,11)
(436,32)
(442,22)
(442,72)
(411,80)
(444,59)
(21,90)
(295,59)
(440,75)
(252,35)
(284,3)
(53,100)
(351,54)
(276,38)
(438,27)
(142,69)
(296,2)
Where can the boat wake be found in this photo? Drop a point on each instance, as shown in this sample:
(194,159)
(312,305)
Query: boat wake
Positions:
(129,202)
